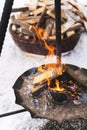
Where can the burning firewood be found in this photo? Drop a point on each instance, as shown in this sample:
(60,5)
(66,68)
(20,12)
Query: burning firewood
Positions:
(41,78)
(37,88)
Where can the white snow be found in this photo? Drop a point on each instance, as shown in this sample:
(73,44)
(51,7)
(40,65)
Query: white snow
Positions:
(13,63)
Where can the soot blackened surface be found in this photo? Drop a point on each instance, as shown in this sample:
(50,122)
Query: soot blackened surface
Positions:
(43,105)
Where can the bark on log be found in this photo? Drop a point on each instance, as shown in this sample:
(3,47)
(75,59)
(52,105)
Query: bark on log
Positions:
(79,74)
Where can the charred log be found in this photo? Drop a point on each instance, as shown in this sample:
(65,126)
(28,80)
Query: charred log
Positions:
(79,74)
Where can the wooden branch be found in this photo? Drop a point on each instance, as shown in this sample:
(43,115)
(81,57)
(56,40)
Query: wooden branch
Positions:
(79,74)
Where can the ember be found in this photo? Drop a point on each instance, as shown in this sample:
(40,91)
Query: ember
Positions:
(50,76)
(41,99)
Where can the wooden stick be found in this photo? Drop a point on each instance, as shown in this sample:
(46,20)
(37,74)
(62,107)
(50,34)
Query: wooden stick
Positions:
(21,23)
(22,9)
(37,88)
(66,26)
(38,11)
(75,26)
(48,74)
(51,14)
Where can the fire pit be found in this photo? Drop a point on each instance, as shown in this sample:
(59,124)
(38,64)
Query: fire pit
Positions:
(65,98)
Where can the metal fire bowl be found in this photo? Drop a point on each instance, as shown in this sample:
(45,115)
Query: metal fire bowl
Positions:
(43,105)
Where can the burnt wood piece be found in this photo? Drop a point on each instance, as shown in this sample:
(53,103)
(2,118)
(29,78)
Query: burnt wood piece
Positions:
(37,47)
(44,106)
(37,88)
(79,74)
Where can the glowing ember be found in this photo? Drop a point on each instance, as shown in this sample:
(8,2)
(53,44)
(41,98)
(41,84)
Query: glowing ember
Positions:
(57,87)
(51,72)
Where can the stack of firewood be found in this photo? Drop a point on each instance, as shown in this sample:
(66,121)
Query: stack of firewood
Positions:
(73,19)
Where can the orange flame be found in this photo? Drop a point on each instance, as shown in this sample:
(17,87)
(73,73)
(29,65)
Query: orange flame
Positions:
(39,34)
(57,87)
(59,68)
(50,48)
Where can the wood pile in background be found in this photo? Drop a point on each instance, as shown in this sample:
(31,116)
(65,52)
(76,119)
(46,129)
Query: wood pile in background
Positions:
(73,19)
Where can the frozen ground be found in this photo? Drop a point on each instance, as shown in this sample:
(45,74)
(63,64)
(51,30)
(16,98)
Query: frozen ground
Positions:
(12,64)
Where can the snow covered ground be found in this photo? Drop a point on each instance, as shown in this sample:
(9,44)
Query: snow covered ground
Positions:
(13,63)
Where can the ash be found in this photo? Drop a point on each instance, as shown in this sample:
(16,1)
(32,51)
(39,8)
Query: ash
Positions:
(84,98)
